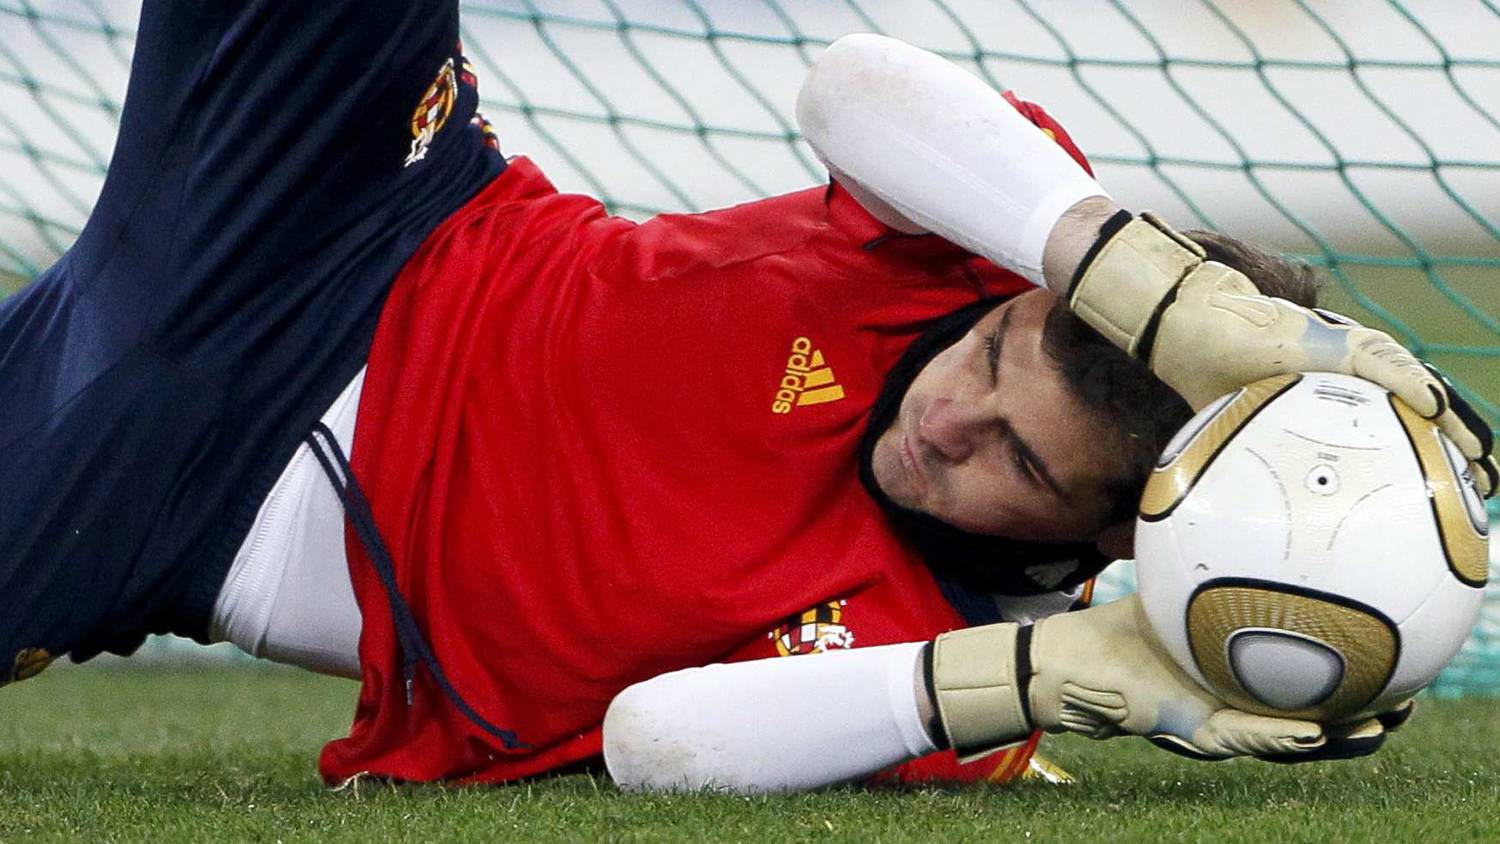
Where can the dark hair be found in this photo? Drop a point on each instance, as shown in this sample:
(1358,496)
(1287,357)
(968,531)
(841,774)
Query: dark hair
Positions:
(1141,412)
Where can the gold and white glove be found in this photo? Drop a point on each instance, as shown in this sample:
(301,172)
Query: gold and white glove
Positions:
(1205,330)
(1098,672)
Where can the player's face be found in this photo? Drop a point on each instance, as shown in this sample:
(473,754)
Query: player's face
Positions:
(990,439)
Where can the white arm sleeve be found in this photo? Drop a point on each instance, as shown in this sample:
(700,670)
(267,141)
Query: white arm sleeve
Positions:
(781,724)
(941,148)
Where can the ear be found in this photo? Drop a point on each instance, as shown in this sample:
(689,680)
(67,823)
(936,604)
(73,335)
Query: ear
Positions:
(1117,541)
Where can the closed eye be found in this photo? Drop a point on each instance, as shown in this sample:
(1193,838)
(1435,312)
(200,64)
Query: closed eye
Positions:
(1018,457)
(1024,467)
(1027,463)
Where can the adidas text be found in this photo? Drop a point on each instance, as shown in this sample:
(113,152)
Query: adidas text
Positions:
(807,380)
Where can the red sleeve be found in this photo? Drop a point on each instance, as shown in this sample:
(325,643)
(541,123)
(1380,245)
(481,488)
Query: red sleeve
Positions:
(1036,114)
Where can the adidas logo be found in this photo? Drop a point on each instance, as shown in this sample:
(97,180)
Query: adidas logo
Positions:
(807,380)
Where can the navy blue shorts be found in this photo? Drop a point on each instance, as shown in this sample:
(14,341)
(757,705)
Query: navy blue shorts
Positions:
(277,164)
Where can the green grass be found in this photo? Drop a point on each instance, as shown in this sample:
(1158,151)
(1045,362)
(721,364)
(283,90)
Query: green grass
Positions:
(227,754)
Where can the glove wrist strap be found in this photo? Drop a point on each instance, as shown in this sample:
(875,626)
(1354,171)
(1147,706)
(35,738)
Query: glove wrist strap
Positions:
(979,679)
(1122,285)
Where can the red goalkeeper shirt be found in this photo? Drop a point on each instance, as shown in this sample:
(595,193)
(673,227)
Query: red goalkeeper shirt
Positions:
(599,451)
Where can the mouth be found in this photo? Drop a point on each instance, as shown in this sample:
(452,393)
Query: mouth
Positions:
(911,463)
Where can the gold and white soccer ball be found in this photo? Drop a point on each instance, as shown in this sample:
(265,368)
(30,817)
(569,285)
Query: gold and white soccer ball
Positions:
(1310,547)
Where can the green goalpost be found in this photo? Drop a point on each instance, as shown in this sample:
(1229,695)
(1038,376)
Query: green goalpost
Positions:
(1363,137)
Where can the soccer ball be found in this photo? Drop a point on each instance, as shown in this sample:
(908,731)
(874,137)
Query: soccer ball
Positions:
(1310,547)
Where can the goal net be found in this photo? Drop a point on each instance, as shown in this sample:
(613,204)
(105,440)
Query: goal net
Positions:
(1362,137)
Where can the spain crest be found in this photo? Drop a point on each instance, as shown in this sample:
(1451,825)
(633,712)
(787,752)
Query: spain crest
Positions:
(432,112)
(29,662)
(813,631)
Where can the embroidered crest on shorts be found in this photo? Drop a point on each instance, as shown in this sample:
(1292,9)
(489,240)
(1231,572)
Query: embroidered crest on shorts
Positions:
(432,112)
(29,663)
(813,631)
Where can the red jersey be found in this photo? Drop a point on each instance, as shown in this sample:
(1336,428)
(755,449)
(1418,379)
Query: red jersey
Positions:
(599,451)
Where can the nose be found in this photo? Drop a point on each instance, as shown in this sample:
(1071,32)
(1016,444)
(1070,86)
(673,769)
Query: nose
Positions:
(949,428)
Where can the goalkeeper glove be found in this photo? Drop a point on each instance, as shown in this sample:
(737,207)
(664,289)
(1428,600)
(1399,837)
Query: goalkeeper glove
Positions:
(1205,330)
(1351,741)
(1098,672)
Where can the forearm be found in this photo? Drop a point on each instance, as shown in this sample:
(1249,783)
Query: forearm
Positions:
(806,722)
(731,726)
(781,724)
(1071,238)
(928,147)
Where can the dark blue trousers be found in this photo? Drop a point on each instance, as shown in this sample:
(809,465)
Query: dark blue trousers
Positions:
(277,163)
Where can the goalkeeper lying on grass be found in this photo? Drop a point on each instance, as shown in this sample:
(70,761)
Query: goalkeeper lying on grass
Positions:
(587,452)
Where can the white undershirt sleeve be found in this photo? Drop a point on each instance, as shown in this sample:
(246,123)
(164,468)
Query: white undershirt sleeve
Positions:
(781,724)
(910,132)
(288,596)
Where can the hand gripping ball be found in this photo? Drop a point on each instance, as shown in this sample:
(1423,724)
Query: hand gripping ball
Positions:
(1308,546)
